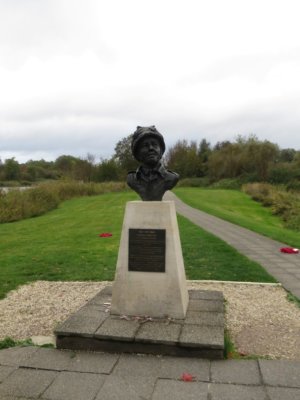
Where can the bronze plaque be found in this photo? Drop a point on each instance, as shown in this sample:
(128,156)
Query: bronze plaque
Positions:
(147,250)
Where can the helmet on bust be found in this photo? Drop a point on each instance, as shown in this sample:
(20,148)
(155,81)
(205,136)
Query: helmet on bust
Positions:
(142,132)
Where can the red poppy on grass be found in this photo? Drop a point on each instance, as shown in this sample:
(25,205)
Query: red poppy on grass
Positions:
(105,234)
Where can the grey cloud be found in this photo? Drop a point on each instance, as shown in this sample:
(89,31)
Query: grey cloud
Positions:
(46,28)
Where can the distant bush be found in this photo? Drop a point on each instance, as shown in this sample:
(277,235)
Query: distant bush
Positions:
(193,182)
(283,203)
(16,205)
(261,192)
(293,186)
(227,184)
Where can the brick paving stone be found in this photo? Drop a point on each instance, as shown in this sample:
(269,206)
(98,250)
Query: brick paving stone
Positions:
(235,371)
(50,359)
(204,318)
(296,292)
(138,365)
(280,372)
(117,329)
(236,392)
(176,390)
(74,386)
(27,383)
(206,305)
(205,295)
(93,362)
(5,371)
(16,355)
(16,398)
(207,336)
(100,299)
(174,367)
(84,325)
(158,332)
(126,388)
(96,311)
(283,393)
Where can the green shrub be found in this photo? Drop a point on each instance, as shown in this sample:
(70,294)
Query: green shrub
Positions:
(293,186)
(234,184)
(39,201)
(193,182)
(257,191)
(16,205)
(283,203)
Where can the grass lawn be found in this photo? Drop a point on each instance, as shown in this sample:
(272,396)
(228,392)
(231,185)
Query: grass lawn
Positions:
(64,245)
(240,209)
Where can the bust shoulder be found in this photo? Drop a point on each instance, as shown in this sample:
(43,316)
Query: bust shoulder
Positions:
(131,177)
(171,179)
(172,176)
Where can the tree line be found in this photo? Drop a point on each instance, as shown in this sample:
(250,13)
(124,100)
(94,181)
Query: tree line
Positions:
(247,159)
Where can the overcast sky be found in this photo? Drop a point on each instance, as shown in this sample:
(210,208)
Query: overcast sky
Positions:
(76,76)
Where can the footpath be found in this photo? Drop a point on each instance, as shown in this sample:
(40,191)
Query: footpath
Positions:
(40,373)
(284,267)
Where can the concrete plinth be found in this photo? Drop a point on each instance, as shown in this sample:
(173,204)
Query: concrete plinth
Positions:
(199,334)
(151,293)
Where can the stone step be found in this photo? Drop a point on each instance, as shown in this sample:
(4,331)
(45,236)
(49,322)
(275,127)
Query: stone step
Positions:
(199,334)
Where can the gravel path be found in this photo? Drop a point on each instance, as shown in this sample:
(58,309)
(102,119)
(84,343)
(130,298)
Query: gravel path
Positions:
(259,317)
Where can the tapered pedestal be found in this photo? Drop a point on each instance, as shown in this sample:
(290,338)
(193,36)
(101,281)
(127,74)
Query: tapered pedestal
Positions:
(150,277)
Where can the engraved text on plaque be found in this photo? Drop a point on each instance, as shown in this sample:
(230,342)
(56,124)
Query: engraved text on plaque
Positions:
(147,250)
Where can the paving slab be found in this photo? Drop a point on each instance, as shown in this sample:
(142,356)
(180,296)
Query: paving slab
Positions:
(27,383)
(176,390)
(5,372)
(49,359)
(138,365)
(159,332)
(205,318)
(236,371)
(16,398)
(206,305)
(126,388)
(115,328)
(97,363)
(132,376)
(283,393)
(15,355)
(195,294)
(200,334)
(280,373)
(174,367)
(93,311)
(80,324)
(236,392)
(74,386)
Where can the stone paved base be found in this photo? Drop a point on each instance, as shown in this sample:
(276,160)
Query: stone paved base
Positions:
(39,373)
(200,334)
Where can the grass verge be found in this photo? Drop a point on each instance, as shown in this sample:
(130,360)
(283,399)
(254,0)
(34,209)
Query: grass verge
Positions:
(63,245)
(238,208)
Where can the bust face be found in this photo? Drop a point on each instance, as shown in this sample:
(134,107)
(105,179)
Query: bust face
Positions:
(149,151)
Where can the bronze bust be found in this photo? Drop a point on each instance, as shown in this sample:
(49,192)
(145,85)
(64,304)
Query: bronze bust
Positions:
(151,180)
